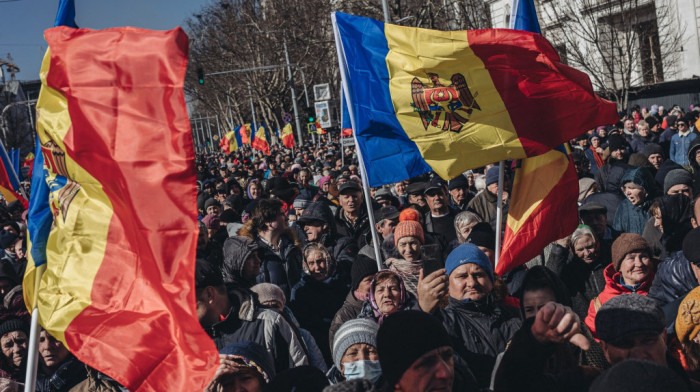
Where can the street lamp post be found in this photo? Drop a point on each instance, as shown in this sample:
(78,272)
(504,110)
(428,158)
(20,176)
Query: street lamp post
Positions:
(291,87)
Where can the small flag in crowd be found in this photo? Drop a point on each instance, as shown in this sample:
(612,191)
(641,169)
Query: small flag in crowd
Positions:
(288,136)
(229,143)
(260,142)
(117,249)
(245,133)
(448,101)
(543,204)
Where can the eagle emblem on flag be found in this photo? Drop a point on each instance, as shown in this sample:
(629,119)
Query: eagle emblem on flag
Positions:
(455,100)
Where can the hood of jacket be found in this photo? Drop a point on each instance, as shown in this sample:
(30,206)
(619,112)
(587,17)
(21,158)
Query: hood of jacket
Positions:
(641,177)
(236,251)
(692,150)
(613,286)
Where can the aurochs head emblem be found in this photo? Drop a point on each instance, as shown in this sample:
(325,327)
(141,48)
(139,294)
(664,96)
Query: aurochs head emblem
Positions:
(455,100)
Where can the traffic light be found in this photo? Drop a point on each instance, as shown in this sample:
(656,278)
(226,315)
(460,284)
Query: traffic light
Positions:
(311,114)
(200,75)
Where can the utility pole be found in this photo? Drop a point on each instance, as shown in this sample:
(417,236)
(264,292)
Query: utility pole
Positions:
(291,87)
(252,109)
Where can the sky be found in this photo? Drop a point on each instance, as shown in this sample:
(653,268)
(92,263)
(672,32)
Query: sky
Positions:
(22,23)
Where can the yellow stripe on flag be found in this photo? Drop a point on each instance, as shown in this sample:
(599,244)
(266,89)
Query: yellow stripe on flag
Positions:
(416,53)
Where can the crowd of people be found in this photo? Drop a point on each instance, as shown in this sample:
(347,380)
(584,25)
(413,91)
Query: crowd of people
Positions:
(290,289)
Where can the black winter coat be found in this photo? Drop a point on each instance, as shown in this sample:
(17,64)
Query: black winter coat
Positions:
(674,279)
(314,304)
(283,268)
(69,374)
(479,332)
(583,281)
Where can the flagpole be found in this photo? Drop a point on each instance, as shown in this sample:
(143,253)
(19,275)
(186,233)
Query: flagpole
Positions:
(499,209)
(363,171)
(33,349)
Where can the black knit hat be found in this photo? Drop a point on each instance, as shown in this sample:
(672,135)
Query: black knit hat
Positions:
(404,337)
(211,202)
(639,376)
(482,235)
(362,267)
(14,324)
(691,250)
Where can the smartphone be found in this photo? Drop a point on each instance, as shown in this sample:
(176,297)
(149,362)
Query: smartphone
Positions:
(432,258)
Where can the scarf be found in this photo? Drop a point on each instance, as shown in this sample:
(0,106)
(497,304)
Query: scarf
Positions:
(408,271)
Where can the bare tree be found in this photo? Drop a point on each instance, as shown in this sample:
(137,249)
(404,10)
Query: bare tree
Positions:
(620,43)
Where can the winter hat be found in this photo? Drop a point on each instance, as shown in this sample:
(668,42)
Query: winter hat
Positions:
(584,185)
(677,176)
(211,221)
(637,160)
(688,318)
(458,182)
(465,254)
(353,332)
(253,355)
(7,239)
(628,315)
(408,228)
(362,267)
(666,167)
(409,214)
(403,338)
(482,235)
(626,243)
(228,216)
(323,180)
(14,324)
(211,202)
(616,142)
(302,378)
(636,375)
(653,148)
(651,120)
(492,175)
(268,292)
(301,202)
(691,250)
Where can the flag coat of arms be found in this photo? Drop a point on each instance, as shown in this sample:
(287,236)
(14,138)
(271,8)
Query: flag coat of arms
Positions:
(113,229)
(448,101)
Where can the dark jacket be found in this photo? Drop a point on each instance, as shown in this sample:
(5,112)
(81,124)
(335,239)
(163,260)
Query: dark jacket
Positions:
(674,279)
(283,268)
(523,368)
(630,218)
(69,374)
(342,248)
(452,213)
(611,200)
(694,146)
(479,332)
(638,142)
(583,281)
(314,304)
(356,232)
(248,323)
(348,311)
(610,175)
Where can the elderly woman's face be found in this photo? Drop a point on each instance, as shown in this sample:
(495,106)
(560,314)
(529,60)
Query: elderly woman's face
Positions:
(359,352)
(387,294)
(14,347)
(317,264)
(636,267)
(409,248)
(586,249)
(470,281)
(464,231)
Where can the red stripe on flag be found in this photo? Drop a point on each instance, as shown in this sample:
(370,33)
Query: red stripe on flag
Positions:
(530,79)
(125,96)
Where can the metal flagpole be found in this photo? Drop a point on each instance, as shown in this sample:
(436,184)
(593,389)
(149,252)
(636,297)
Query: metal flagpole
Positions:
(363,171)
(499,209)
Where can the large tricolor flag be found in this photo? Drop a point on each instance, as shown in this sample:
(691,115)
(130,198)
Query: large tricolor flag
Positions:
(260,142)
(543,204)
(288,136)
(117,248)
(449,101)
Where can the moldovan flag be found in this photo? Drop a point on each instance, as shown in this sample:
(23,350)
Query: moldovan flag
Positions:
(245,133)
(542,207)
(228,142)
(260,141)
(450,101)
(115,225)
(9,183)
(543,204)
(288,136)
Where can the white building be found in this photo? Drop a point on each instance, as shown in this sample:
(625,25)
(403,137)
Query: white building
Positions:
(683,15)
